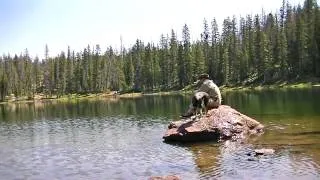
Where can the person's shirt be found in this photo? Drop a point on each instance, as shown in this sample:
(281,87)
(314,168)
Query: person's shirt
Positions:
(209,87)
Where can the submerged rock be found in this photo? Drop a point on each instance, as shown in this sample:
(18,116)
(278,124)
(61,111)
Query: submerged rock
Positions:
(170,177)
(263,152)
(219,124)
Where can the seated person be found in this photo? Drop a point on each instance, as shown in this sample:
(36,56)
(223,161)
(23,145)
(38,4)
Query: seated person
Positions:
(204,84)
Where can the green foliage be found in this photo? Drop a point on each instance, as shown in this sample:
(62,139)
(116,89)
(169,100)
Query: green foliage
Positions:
(284,46)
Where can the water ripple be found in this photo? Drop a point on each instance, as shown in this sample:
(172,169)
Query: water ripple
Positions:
(239,165)
(130,147)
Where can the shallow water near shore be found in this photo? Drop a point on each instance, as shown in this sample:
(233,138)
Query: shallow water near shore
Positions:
(122,139)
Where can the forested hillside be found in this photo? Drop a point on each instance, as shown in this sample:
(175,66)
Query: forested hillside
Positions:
(262,49)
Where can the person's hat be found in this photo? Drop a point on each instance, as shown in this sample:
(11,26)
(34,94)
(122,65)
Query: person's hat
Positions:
(203,76)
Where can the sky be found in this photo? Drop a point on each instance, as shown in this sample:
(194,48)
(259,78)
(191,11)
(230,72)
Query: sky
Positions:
(32,24)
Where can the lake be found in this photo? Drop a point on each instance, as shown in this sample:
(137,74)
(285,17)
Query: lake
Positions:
(122,139)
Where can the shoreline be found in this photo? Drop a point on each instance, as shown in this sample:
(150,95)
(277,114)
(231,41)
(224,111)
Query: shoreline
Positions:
(185,91)
(300,85)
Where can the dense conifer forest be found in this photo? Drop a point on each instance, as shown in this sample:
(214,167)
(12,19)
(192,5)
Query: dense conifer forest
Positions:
(255,49)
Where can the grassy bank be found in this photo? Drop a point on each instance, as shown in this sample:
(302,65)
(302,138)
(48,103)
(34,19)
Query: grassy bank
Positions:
(282,85)
(185,91)
(68,97)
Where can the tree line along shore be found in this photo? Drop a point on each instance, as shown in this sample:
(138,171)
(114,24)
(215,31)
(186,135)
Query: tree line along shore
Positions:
(278,49)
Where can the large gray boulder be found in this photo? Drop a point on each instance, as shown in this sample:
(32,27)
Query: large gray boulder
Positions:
(219,124)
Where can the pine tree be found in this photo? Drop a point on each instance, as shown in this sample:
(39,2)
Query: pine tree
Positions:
(181,66)
(198,60)
(266,58)
(234,55)
(283,54)
(258,38)
(96,73)
(14,76)
(89,69)
(251,46)
(156,68)
(3,81)
(129,70)
(69,72)
(147,68)
(244,58)
(138,53)
(78,73)
(111,68)
(290,30)
(173,57)
(317,39)
(117,80)
(188,78)
(28,75)
(62,75)
(301,44)
(36,76)
(46,74)
(85,71)
(164,61)
(205,37)
(310,15)
(226,51)
(214,59)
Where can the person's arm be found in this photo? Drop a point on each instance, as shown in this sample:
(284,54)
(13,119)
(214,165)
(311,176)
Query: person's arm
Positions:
(196,84)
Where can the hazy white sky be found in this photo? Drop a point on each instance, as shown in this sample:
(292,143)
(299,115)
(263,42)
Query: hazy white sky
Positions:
(33,23)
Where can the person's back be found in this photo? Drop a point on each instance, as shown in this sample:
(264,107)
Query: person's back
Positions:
(212,89)
(204,84)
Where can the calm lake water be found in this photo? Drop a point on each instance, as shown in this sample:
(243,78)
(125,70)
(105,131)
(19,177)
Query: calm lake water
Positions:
(122,139)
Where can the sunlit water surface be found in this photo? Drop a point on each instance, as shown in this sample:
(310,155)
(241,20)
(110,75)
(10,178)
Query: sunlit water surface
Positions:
(122,139)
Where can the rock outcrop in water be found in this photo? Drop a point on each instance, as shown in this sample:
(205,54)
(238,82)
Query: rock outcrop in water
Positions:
(219,124)
(170,177)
